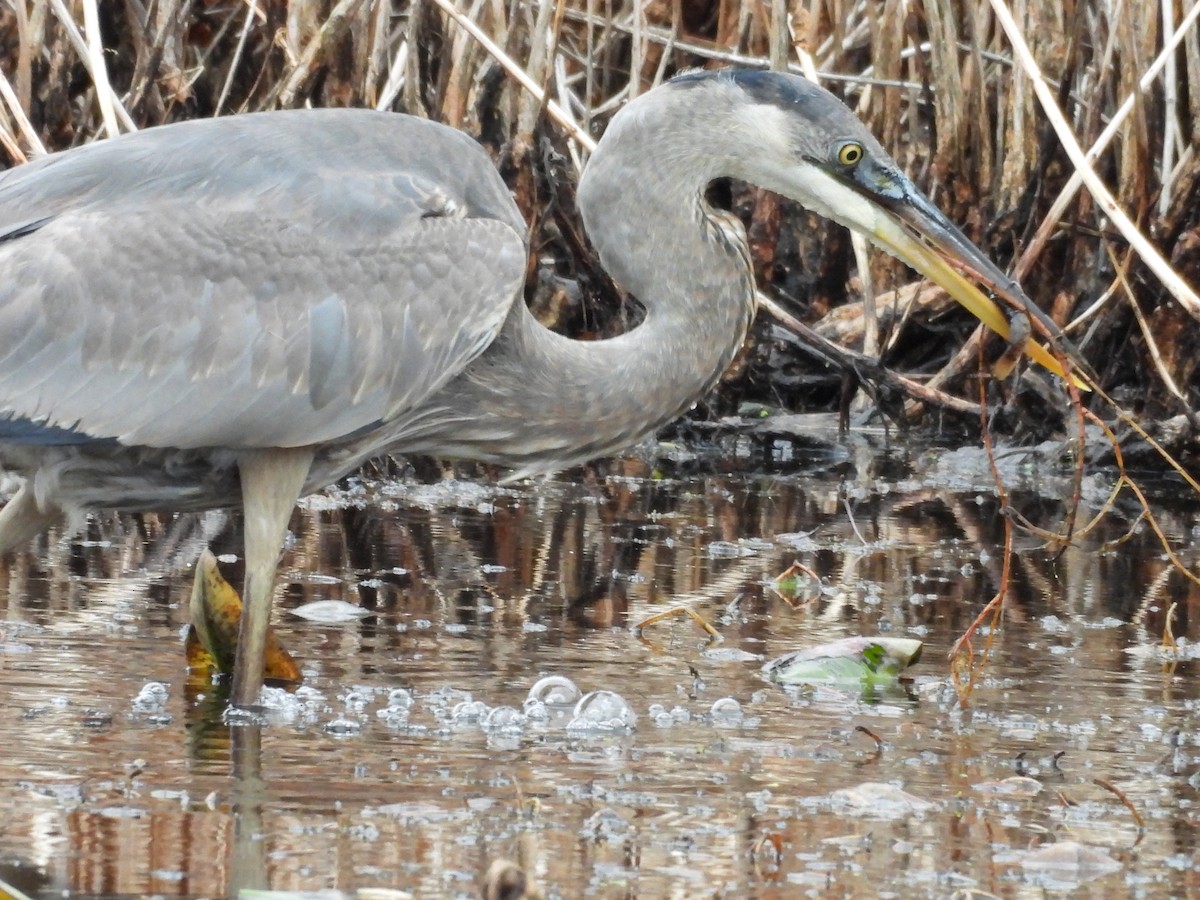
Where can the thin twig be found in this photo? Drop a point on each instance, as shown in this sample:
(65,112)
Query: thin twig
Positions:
(673,612)
(1169,644)
(995,606)
(1121,270)
(251,12)
(1124,798)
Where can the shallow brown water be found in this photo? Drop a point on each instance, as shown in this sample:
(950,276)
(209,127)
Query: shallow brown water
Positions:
(482,590)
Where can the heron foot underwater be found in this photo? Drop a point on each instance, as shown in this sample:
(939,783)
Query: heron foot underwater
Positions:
(240,311)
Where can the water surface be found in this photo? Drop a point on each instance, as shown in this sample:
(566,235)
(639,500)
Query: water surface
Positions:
(110,784)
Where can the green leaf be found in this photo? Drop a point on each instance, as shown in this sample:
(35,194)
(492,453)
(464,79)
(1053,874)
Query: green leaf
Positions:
(854,660)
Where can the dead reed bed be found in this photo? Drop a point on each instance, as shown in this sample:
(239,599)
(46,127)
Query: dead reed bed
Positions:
(951,87)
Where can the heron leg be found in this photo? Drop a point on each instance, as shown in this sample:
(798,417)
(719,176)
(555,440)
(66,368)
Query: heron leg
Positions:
(271,484)
(22,518)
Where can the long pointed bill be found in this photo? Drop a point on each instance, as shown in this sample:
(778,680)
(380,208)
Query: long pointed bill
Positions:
(948,251)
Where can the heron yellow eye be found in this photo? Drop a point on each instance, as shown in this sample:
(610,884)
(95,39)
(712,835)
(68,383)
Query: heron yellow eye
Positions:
(850,154)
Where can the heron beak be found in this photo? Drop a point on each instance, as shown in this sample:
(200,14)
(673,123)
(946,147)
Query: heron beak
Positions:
(916,231)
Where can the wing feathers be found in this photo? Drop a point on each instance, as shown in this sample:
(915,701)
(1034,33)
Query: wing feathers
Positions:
(265,338)
(329,353)
(182,287)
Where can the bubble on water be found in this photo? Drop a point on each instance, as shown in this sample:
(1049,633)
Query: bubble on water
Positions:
(356,700)
(535,710)
(273,698)
(280,707)
(1150,731)
(441,701)
(393,716)
(469,712)
(308,704)
(343,727)
(400,698)
(555,690)
(151,698)
(726,711)
(399,707)
(505,719)
(602,711)
(447,697)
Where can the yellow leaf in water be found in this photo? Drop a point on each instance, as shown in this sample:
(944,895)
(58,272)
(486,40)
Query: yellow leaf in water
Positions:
(197,657)
(216,617)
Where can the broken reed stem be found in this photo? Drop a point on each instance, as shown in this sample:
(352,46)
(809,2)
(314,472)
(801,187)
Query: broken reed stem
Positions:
(27,130)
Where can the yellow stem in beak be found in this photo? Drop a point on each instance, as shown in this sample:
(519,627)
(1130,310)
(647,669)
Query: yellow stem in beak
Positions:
(896,240)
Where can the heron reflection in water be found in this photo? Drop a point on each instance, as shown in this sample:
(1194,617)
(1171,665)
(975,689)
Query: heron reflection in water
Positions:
(241,311)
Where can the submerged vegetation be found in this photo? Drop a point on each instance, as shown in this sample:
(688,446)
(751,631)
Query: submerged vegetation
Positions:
(945,86)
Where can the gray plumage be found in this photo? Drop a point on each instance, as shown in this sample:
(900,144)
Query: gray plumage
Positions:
(215,285)
(245,309)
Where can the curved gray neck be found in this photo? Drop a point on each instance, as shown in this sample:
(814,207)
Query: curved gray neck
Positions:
(537,401)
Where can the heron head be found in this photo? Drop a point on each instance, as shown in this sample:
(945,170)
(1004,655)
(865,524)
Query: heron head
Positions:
(810,147)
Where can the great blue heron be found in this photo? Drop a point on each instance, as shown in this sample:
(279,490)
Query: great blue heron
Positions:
(243,310)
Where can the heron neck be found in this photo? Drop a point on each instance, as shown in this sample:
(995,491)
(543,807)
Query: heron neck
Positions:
(538,401)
